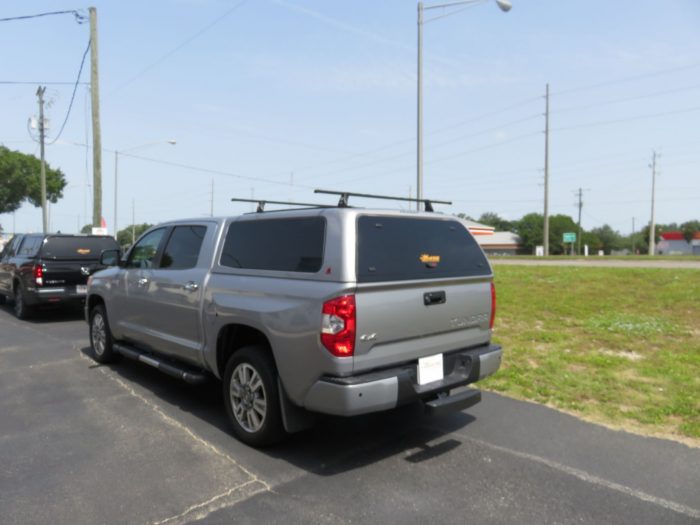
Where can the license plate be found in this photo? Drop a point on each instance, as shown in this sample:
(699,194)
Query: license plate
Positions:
(81,289)
(430,369)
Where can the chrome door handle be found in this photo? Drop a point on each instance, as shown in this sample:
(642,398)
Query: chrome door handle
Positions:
(191,286)
(142,282)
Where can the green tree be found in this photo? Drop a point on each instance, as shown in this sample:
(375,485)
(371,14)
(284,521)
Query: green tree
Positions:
(86,229)
(464,216)
(689,229)
(558,225)
(493,219)
(124,236)
(20,180)
(530,228)
(609,238)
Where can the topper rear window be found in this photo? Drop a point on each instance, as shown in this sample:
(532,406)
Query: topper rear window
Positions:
(76,247)
(403,248)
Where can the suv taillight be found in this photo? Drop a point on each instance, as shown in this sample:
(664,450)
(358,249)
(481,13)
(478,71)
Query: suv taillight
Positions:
(38,272)
(338,326)
(493,305)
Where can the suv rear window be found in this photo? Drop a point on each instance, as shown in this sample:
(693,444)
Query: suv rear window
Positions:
(77,247)
(289,245)
(402,248)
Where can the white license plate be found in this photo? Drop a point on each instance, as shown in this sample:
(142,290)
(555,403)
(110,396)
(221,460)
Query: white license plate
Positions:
(430,369)
(81,288)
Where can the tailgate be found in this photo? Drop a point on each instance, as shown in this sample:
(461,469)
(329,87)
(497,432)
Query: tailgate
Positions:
(68,273)
(423,288)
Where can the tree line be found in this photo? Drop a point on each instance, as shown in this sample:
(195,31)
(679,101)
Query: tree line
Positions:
(530,229)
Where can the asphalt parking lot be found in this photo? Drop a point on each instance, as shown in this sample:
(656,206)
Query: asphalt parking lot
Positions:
(82,443)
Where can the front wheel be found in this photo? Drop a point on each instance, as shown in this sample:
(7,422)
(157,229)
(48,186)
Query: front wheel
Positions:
(101,336)
(252,398)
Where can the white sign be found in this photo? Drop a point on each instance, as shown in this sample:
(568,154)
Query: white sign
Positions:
(99,231)
(539,251)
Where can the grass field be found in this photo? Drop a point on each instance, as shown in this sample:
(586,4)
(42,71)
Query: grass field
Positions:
(613,345)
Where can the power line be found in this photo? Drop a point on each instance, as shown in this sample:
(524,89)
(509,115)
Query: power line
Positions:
(40,82)
(181,45)
(72,98)
(79,17)
(626,99)
(629,119)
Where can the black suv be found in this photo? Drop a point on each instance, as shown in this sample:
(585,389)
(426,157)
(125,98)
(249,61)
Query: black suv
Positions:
(49,269)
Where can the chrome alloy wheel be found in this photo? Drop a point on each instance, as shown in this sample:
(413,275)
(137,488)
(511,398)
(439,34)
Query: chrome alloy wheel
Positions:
(248,398)
(98,334)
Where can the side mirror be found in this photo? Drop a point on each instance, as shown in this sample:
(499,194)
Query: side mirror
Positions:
(110,258)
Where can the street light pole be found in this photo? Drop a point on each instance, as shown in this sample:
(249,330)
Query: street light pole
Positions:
(504,5)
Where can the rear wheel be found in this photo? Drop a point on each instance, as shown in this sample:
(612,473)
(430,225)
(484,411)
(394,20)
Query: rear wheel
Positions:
(3,300)
(101,336)
(22,310)
(252,398)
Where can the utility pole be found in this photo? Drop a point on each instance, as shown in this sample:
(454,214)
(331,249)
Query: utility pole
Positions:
(652,225)
(419,131)
(546,173)
(634,250)
(133,221)
(42,135)
(96,135)
(116,171)
(580,206)
(211,210)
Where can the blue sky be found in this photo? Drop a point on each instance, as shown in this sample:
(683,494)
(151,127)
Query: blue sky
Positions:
(282,96)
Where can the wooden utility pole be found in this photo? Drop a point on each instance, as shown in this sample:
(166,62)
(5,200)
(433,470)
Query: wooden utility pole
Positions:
(133,221)
(211,210)
(546,173)
(42,135)
(96,134)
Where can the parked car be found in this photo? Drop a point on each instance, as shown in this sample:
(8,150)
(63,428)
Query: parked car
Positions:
(38,269)
(339,311)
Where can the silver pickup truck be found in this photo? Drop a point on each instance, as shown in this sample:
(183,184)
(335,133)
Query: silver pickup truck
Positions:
(339,311)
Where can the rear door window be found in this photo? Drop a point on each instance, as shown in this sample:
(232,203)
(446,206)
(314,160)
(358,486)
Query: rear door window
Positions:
(402,248)
(182,250)
(84,248)
(30,246)
(290,245)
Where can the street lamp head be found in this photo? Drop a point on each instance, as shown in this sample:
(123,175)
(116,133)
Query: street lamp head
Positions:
(504,5)
(172,142)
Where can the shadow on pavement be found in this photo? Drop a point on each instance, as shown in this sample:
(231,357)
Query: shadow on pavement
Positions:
(333,445)
(46,314)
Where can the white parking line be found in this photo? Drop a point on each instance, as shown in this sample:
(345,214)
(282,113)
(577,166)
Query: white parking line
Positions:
(589,478)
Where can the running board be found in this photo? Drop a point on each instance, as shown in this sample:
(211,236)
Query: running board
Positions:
(193,377)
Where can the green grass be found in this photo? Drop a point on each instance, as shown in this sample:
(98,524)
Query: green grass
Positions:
(615,345)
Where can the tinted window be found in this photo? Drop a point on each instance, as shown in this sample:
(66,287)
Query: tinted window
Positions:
(30,246)
(144,252)
(398,248)
(77,247)
(182,250)
(291,245)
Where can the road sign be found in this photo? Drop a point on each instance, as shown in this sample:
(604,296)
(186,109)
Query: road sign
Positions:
(569,237)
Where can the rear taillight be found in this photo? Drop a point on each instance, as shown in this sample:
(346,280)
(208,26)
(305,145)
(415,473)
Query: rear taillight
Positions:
(38,272)
(493,305)
(338,326)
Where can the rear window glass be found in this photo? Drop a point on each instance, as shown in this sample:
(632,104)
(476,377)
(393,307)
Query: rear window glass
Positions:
(289,245)
(77,247)
(399,249)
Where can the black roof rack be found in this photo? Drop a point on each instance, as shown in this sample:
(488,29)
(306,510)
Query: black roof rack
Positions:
(262,202)
(345,195)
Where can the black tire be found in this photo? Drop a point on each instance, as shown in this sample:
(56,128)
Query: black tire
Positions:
(22,310)
(101,336)
(3,299)
(253,405)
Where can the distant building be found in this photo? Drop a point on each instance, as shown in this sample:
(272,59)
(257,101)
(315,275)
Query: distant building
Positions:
(500,243)
(673,243)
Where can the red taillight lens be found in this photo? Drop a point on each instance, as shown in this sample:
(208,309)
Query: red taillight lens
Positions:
(338,326)
(38,272)
(493,305)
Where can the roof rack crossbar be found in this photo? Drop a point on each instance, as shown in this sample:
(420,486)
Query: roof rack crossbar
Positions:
(345,195)
(262,202)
